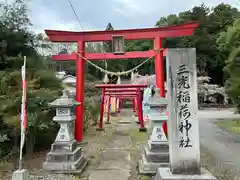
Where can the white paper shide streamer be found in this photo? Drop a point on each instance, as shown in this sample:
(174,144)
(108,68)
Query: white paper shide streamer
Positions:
(23,111)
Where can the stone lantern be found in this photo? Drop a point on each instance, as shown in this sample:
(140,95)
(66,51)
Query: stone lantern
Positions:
(156,154)
(158,110)
(64,154)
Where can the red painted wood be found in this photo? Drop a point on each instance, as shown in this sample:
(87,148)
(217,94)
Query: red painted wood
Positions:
(106,56)
(159,67)
(80,64)
(108,113)
(139,109)
(120,93)
(121,90)
(124,97)
(117,86)
(130,34)
(101,109)
(164,126)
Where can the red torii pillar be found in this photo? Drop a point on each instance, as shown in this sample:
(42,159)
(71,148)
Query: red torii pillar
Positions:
(157,34)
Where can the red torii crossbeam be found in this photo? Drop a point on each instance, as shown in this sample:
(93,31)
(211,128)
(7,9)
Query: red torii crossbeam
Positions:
(157,34)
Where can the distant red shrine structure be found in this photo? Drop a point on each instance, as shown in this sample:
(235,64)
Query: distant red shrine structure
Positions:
(117,36)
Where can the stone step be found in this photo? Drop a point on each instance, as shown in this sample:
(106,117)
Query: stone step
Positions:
(125,121)
(161,146)
(64,165)
(166,174)
(66,147)
(156,156)
(64,156)
(147,167)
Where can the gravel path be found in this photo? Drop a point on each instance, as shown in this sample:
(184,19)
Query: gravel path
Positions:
(108,152)
(223,146)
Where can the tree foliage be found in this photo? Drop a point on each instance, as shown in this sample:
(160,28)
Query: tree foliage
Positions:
(229,42)
(16,41)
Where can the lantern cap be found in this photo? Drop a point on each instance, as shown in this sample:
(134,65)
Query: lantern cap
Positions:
(64,101)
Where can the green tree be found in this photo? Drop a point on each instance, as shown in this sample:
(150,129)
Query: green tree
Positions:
(229,42)
(16,40)
(210,61)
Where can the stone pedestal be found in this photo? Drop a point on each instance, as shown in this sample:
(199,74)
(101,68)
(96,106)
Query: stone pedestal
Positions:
(20,175)
(183,125)
(156,154)
(65,156)
(166,174)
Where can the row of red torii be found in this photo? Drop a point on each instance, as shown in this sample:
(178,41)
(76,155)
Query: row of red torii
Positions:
(122,91)
(117,36)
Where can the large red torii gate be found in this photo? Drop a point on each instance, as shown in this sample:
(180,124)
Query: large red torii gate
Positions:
(157,34)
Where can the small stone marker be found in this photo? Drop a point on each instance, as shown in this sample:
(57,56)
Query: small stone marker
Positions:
(156,154)
(65,156)
(20,175)
(183,125)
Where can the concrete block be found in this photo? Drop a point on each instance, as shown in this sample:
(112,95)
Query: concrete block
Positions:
(158,146)
(66,156)
(147,167)
(165,174)
(156,156)
(20,175)
(63,165)
(64,147)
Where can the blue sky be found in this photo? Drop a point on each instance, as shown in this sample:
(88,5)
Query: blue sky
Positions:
(95,14)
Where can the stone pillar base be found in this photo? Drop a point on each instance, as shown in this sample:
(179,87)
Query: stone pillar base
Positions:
(65,157)
(154,157)
(147,167)
(20,175)
(165,174)
(161,146)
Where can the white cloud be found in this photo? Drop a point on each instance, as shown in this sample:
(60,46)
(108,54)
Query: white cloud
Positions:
(96,14)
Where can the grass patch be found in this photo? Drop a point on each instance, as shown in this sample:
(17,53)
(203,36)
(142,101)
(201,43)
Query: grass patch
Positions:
(139,136)
(230,125)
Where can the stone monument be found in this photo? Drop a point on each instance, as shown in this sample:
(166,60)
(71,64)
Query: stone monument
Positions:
(183,125)
(156,154)
(65,156)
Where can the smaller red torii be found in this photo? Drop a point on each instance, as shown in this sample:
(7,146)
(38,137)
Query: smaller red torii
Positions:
(121,97)
(108,89)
